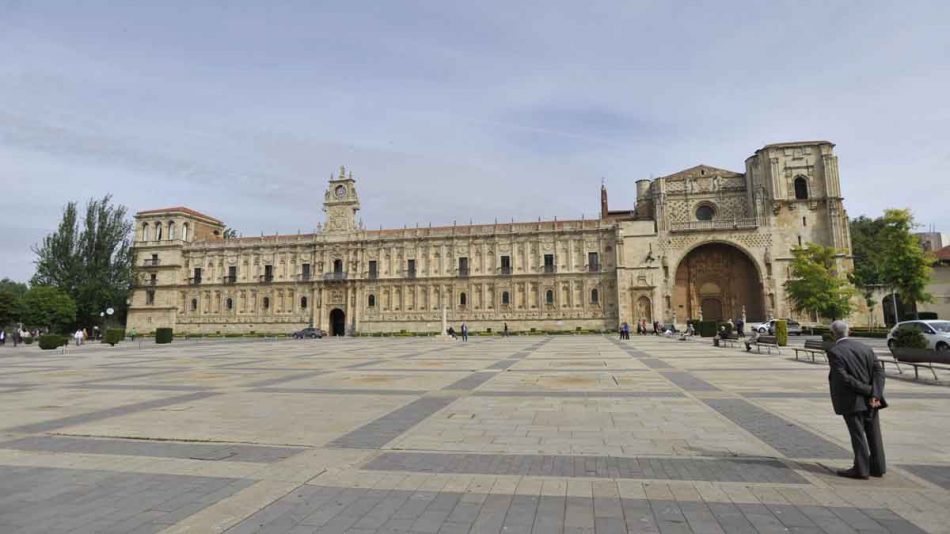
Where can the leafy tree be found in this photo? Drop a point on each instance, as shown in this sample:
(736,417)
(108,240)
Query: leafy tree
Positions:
(816,285)
(10,294)
(50,307)
(91,260)
(905,265)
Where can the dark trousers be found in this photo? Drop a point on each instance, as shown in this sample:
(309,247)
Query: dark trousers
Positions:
(865,431)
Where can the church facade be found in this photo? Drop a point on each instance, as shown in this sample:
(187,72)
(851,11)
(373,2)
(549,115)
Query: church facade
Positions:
(703,243)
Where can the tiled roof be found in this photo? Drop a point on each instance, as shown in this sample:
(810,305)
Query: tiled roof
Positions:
(181,209)
(943,254)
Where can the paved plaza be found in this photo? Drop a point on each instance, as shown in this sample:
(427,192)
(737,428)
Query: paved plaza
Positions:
(558,434)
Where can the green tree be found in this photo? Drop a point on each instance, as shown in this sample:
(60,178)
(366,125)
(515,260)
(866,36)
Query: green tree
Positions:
(91,259)
(10,294)
(50,307)
(816,286)
(905,265)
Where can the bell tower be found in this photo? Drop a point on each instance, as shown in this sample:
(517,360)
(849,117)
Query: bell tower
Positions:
(341,203)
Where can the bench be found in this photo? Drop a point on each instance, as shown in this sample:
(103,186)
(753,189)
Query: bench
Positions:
(729,339)
(812,348)
(769,342)
(918,358)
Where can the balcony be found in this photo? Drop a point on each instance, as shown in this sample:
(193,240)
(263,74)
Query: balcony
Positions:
(304,277)
(699,226)
(230,279)
(506,270)
(334,277)
(373,275)
(463,272)
(194,281)
(594,268)
(152,262)
(265,278)
(411,274)
(550,269)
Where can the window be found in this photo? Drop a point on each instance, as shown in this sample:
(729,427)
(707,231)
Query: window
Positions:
(268,273)
(266,303)
(184,232)
(371,302)
(145,234)
(705,212)
(549,297)
(799,240)
(150,297)
(152,279)
(804,222)
(229,304)
(505,298)
(506,265)
(158,231)
(373,272)
(303,303)
(305,271)
(232,275)
(594,297)
(171,230)
(462,299)
(411,268)
(593,262)
(463,266)
(337,266)
(197,278)
(801,188)
(194,304)
(549,263)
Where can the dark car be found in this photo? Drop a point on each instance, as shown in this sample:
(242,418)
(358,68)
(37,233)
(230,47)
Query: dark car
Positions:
(311,333)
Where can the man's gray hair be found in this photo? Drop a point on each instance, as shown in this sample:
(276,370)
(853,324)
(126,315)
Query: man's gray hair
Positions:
(839,329)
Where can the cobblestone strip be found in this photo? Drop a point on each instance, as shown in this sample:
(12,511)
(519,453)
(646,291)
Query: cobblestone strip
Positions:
(471,381)
(158,449)
(289,378)
(71,420)
(935,474)
(784,436)
(377,433)
(345,391)
(327,509)
(688,381)
(579,394)
(702,469)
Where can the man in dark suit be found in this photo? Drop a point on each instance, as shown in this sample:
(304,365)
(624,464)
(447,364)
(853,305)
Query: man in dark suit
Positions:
(857,394)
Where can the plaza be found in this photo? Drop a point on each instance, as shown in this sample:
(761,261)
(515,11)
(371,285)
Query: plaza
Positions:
(526,434)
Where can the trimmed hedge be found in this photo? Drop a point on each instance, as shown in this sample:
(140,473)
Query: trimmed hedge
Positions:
(114,335)
(910,339)
(781,333)
(28,340)
(163,335)
(52,341)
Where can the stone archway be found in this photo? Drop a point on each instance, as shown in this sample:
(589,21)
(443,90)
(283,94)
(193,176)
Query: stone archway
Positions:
(717,280)
(644,310)
(337,322)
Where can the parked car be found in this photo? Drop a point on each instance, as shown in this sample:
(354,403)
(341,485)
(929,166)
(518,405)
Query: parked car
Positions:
(937,333)
(768,327)
(311,333)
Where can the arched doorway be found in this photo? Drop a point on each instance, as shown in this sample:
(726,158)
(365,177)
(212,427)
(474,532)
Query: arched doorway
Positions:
(717,280)
(644,310)
(337,322)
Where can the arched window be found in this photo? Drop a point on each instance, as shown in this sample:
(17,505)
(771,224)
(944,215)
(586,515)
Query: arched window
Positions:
(229,304)
(266,303)
(158,231)
(371,301)
(549,297)
(303,303)
(801,188)
(462,299)
(705,212)
(184,232)
(145,232)
(594,296)
(194,304)
(171,230)
(505,298)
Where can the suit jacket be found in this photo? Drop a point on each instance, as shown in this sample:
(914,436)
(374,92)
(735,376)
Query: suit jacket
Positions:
(854,376)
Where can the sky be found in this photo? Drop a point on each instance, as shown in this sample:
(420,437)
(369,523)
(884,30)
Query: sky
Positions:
(453,111)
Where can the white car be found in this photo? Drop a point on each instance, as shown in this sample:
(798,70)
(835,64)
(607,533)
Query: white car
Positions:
(768,327)
(937,333)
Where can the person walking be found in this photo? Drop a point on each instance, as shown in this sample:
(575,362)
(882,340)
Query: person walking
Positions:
(3,337)
(856,382)
(626,330)
(464,332)
(78,337)
(506,329)
(740,326)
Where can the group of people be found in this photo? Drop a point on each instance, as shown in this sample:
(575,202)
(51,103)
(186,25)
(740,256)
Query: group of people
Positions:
(18,335)
(463,331)
(644,328)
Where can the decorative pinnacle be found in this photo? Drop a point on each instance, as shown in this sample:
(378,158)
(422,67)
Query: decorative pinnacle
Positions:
(342,172)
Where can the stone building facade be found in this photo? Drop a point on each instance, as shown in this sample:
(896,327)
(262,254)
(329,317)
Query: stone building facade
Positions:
(701,243)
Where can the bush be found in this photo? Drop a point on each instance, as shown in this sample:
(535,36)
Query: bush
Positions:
(927,316)
(163,335)
(781,332)
(909,338)
(28,340)
(114,335)
(705,328)
(51,341)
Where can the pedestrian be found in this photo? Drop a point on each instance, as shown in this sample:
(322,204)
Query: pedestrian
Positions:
(506,329)
(643,323)
(690,330)
(464,331)
(656,328)
(626,330)
(620,330)
(753,337)
(740,325)
(3,337)
(856,382)
(16,336)
(451,332)
(132,334)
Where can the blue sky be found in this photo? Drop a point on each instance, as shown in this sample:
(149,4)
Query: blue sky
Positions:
(453,111)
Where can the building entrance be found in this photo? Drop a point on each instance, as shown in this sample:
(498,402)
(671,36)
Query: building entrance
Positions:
(337,322)
(718,281)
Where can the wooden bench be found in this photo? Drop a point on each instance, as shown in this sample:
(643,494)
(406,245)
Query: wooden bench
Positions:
(730,339)
(769,342)
(812,348)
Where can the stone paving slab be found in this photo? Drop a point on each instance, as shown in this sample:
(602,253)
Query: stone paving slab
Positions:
(388,427)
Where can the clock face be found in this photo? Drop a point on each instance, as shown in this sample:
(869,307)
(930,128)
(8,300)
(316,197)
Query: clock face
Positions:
(340,191)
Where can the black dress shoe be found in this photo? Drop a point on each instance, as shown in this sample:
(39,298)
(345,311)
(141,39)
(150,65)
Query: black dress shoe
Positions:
(850,473)
(877,475)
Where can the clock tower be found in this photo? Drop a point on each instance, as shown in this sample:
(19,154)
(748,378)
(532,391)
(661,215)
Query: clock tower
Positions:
(341,204)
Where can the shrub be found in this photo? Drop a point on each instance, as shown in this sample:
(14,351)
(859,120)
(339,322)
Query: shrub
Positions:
(51,341)
(725,327)
(705,328)
(909,338)
(927,316)
(781,332)
(163,335)
(28,340)
(114,335)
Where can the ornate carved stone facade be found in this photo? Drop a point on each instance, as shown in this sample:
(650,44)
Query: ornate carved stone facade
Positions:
(704,240)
